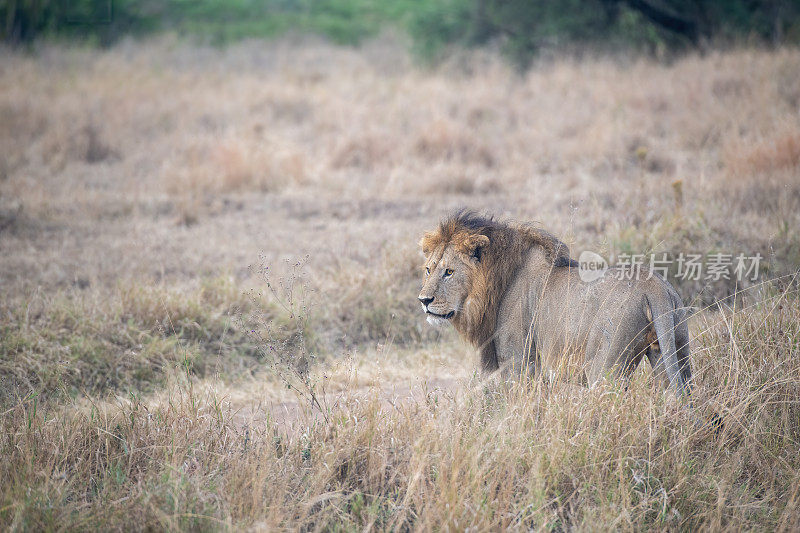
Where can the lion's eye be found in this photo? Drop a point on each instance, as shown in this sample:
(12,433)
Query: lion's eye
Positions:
(448,272)
(427,271)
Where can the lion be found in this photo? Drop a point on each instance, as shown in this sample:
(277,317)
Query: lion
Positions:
(512,291)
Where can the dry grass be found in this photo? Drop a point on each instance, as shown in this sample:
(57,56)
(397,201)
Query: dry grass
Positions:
(320,144)
(72,344)
(780,152)
(144,188)
(540,458)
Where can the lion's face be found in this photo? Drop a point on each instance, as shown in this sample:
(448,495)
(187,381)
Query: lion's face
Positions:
(448,273)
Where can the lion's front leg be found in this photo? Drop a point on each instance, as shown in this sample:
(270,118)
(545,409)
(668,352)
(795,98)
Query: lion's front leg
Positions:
(488,358)
(516,355)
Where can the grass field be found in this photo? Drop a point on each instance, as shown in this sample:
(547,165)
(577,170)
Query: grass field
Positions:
(209,271)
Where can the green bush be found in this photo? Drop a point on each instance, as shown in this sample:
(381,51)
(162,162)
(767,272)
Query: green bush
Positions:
(522,27)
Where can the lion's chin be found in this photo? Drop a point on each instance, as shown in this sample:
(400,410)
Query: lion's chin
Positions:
(437,321)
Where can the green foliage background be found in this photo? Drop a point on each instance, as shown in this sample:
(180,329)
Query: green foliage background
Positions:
(521,27)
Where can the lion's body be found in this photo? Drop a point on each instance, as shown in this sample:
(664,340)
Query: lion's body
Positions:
(514,293)
(549,319)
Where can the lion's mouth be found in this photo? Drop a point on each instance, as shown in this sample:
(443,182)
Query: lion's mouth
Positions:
(448,316)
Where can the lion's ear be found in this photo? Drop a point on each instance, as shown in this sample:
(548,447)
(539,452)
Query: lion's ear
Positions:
(474,244)
(428,242)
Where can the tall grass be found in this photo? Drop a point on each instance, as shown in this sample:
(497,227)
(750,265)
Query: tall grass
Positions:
(540,457)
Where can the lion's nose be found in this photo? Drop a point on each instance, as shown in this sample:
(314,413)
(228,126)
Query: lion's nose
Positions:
(425,301)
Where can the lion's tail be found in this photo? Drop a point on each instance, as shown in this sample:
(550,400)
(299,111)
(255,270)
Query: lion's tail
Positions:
(669,319)
(670,325)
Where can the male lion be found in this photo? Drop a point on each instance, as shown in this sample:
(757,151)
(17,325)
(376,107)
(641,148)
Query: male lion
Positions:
(513,291)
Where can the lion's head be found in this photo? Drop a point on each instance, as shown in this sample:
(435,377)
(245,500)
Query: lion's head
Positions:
(451,267)
(469,260)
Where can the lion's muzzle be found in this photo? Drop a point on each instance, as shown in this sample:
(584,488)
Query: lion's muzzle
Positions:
(432,314)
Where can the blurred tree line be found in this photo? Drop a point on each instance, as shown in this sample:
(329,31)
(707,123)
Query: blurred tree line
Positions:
(522,27)
(525,27)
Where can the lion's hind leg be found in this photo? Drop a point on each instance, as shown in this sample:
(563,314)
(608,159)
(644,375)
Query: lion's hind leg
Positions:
(653,352)
(657,364)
